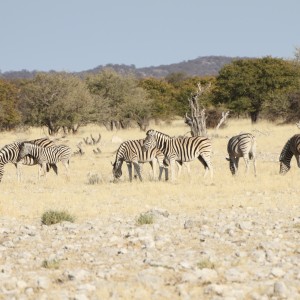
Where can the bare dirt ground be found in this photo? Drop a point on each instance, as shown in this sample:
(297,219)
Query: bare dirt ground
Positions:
(229,238)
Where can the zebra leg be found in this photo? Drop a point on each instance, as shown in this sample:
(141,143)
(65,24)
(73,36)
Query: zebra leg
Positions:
(42,170)
(166,173)
(1,171)
(66,164)
(172,166)
(179,166)
(154,168)
(161,169)
(54,167)
(19,171)
(246,163)
(129,167)
(254,165)
(207,165)
(138,170)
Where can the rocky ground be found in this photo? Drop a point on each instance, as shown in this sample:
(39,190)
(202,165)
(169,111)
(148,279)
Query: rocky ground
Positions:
(238,253)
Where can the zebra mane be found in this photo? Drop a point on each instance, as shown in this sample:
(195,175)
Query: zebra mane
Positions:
(155,132)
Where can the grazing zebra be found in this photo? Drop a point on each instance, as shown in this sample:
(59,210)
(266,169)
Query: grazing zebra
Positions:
(242,145)
(181,149)
(10,152)
(44,156)
(292,147)
(132,153)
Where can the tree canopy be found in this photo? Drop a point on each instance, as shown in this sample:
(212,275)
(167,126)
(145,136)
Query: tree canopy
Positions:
(246,84)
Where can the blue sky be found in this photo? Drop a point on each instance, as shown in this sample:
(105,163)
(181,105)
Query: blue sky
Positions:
(76,35)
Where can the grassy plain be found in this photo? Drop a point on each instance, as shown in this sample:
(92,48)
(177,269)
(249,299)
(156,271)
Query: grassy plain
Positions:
(188,195)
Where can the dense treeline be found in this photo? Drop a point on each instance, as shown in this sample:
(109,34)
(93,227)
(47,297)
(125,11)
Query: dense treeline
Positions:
(259,88)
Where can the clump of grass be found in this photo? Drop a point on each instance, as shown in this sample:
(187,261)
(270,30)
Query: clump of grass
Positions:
(205,264)
(93,179)
(51,217)
(145,219)
(51,264)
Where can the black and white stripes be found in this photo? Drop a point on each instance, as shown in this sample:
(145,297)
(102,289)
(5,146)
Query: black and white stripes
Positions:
(181,149)
(292,147)
(132,153)
(242,145)
(48,155)
(10,153)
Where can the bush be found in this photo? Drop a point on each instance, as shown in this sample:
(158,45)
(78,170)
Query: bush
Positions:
(205,264)
(93,179)
(53,217)
(145,219)
(50,264)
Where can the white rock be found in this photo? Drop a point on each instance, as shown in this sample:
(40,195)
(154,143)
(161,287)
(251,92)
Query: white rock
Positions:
(280,289)
(277,272)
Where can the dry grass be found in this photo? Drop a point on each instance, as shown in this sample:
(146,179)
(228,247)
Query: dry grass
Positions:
(30,198)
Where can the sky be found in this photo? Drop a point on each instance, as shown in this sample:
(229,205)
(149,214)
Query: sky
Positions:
(78,35)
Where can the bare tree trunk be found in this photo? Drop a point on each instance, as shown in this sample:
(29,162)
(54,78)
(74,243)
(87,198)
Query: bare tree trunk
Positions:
(223,119)
(197,118)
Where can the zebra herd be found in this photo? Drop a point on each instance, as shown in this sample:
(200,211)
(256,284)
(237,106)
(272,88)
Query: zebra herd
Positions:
(42,151)
(167,150)
(157,147)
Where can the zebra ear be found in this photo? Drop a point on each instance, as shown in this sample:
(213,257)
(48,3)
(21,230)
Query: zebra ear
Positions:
(227,158)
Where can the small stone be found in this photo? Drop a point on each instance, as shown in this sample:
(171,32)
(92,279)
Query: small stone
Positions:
(277,272)
(280,289)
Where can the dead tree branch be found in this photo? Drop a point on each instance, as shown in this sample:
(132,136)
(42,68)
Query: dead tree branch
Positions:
(197,118)
(223,119)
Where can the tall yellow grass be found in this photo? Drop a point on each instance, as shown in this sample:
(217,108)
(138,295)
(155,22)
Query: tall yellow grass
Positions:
(188,195)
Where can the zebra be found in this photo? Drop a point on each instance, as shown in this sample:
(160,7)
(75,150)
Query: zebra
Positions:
(241,145)
(44,156)
(131,152)
(10,152)
(292,147)
(182,149)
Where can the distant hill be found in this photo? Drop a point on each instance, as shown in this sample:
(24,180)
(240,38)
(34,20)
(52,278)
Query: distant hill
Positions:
(202,66)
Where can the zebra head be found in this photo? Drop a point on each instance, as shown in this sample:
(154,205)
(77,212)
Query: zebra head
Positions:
(117,169)
(150,140)
(231,165)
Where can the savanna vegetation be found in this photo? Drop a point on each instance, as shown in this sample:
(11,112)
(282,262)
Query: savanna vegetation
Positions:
(261,88)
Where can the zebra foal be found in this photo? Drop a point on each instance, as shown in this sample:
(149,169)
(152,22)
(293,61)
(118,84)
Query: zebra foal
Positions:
(10,152)
(44,156)
(242,145)
(182,149)
(132,153)
(292,147)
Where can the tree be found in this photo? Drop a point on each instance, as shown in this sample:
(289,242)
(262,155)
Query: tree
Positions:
(248,83)
(10,116)
(118,100)
(57,101)
(163,95)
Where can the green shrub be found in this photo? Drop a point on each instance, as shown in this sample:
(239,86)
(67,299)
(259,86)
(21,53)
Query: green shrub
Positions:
(205,264)
(145,219)
(51,217)
(51,264)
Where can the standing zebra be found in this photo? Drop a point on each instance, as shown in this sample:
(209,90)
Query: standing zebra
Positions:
(182,149)
(44,156)
(292,147)
(242,145)
(10,152)
(132,153)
